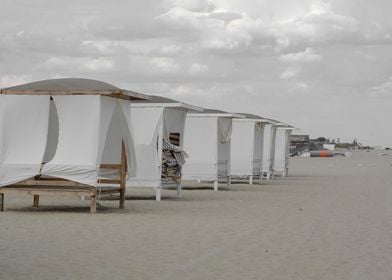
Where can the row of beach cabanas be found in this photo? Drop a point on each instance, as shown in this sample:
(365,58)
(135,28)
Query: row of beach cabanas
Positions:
(86,138)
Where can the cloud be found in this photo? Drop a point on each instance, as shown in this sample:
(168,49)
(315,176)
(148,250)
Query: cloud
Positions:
(197,68)
(100,64)
(13,80)
(290,73)
(309,55)
(165,65)
(384,90)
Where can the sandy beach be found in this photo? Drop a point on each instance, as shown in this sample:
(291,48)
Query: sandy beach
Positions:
(330,219)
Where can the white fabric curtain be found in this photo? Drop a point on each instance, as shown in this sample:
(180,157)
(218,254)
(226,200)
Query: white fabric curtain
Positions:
(83,126)
(118,131)
(200,143)
(224,129)
(242,137)
(147,129)
(23,136)
(174,122)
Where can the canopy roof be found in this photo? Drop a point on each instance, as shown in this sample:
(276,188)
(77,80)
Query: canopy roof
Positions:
(252,117)
(215,113)
(72,86)
(160,101)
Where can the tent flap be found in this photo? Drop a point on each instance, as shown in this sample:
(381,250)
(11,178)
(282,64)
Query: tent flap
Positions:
(24,126)
(83,123)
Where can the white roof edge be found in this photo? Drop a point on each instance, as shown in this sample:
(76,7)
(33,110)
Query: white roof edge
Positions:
(253,120)
(168,105)
(136,94)
(223,115)
(287,127)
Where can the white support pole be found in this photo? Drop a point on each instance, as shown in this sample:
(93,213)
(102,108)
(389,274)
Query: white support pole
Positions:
(158,194)
(250,180)
(216,185)
(179,188)
(269,177)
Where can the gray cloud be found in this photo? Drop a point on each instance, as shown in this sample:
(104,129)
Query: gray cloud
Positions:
(315,64)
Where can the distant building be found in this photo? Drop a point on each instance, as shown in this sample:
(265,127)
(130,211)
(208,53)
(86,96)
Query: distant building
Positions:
(299,144)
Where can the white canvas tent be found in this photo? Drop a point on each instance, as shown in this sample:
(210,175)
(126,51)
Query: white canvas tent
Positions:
(59,136)
(155,123)
(269,147)
(282,146)
(207,141)
(247,143)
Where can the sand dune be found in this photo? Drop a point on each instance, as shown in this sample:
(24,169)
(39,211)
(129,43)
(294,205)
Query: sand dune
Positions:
(330,219)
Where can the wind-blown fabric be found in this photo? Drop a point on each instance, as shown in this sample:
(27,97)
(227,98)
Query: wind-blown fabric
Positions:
(23,134)
(83,125)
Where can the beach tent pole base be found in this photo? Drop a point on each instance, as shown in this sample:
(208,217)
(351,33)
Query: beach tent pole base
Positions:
(216,185)
(36,200)
(93,204)
(158,194)
(179,187)
(250,180)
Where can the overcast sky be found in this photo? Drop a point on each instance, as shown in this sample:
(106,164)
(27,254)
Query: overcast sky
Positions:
(322,66)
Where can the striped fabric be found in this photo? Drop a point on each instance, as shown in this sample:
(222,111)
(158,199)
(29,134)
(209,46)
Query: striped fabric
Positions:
(177,152)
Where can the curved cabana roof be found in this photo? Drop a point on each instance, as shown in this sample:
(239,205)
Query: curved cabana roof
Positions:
(73,86)
(215,113)
(160,101)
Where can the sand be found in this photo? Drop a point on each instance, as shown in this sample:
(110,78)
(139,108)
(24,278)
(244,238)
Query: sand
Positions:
(330,219)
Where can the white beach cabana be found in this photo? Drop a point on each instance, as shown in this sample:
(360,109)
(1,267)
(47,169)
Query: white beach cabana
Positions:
(207,142)
(158,126)
(282,147)
(62,136)
(269,136)
(247,144)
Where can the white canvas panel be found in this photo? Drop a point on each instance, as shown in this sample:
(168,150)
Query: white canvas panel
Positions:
(242,143)
(287,152)
(280,150)
(273,145)
(83,125)
(118,132)
(174,122)
(258,149)
(128,136)
(200,143)
(224,146)
(23,126)
(224,129)
(147,131)
(267,147)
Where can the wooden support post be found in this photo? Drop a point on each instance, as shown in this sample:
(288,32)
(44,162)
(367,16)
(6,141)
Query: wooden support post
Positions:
(36,200)
(93,203)
(123,174)
(216,185)
(1,202)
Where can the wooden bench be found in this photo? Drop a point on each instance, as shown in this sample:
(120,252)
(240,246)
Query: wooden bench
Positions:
(50,186)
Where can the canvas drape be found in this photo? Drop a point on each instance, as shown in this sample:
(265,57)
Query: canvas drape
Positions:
(23,134)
